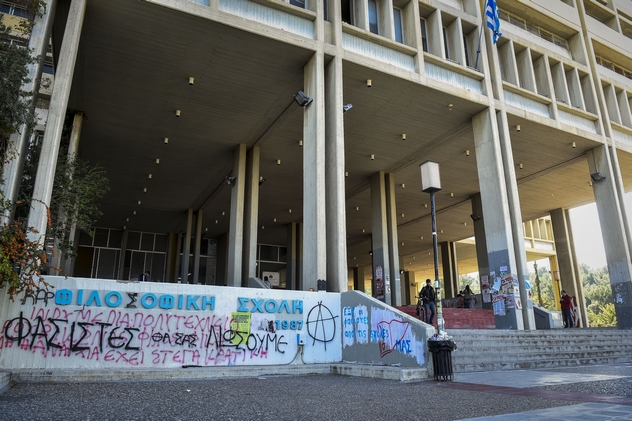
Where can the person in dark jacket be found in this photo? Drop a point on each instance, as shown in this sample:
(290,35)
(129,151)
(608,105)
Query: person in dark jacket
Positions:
(567,309)
(429,296)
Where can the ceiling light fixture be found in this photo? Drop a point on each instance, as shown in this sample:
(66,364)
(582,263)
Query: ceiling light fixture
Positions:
(148,175)
(177,113)
(403,136)
(166,140)
(262,180)
(467,152)
(369,83)
(573,145)
(157,160)
(300,143)
(191,81)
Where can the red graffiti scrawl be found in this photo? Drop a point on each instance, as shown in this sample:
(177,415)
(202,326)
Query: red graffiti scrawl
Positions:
(391,336)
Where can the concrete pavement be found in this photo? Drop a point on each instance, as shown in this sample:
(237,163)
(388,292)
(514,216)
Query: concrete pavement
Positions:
(573,393)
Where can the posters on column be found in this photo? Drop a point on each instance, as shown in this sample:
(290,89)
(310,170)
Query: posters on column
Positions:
(499,305)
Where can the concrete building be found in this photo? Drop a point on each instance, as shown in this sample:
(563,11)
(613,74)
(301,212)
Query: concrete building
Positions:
(220,171)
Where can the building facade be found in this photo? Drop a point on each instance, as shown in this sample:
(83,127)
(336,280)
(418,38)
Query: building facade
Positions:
(251,137)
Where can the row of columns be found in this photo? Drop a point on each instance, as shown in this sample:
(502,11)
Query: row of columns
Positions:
(324,255)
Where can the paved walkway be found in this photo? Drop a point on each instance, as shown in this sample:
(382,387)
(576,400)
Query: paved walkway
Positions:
(574,393)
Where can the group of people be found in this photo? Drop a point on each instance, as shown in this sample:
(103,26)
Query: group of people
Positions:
(428,297)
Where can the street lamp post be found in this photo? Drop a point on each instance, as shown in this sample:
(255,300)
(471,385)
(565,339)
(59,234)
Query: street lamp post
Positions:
(431,183)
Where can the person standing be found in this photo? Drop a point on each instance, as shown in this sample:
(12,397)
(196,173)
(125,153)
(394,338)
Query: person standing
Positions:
(567,309)
(467,297)
(144,277)
(429,296)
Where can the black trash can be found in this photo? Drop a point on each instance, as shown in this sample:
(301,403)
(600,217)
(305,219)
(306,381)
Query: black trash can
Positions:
(442,359)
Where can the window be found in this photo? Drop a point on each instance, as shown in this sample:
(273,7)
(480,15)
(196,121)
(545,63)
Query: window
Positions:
(346,8)
(373,25)
(397,23)
(424,35)
(446,43)
(15,10)
(466,49)
(299,3)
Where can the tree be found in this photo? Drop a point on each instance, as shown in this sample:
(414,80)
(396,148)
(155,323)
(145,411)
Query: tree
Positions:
(470,280)
(15,102)
(77,185)
(598,296)
(76,189)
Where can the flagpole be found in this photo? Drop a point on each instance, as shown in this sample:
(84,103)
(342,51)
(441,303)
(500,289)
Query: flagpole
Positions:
(480,34)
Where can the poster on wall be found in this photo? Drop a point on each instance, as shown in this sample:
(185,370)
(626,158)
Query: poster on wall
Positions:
(499,305)
(273,278)
(487,297)
(484,282)
(510,301)
(379,282)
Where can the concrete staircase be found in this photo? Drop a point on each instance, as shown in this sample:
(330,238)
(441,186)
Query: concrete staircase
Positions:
(459,318)
(492,350)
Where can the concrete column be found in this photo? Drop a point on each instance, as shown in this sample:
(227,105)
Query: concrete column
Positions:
(236,226)
(358,278)
(73,150)
(291,268)
(500,250)
(169,257)
(196,246)
(43,189)
(69,266)
(251,216)
(613,231)
(393,242)
(178,257)
(299,258)
(450,270)
(481,242)
(515,220)
(413,287)
(121,271)
(314,208)
(381,267)
(335,179)
(561,229)
(38,44)
(222,261)
(186,248)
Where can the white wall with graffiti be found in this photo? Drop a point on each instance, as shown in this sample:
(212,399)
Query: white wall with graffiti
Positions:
(374,333)
(93,323)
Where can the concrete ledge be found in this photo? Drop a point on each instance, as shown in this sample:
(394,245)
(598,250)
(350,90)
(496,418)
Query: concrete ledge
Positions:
(5,380)
(190,373)
(380,372)
(207,373)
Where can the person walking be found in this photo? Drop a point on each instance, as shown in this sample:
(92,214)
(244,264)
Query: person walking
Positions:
(429,296)
(567,310)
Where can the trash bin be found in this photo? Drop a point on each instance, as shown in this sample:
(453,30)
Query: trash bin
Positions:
(442,359)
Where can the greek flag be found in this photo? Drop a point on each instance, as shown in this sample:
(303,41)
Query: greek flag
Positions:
(493,22)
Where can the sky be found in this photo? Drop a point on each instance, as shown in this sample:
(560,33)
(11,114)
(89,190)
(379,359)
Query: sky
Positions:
(587,233)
